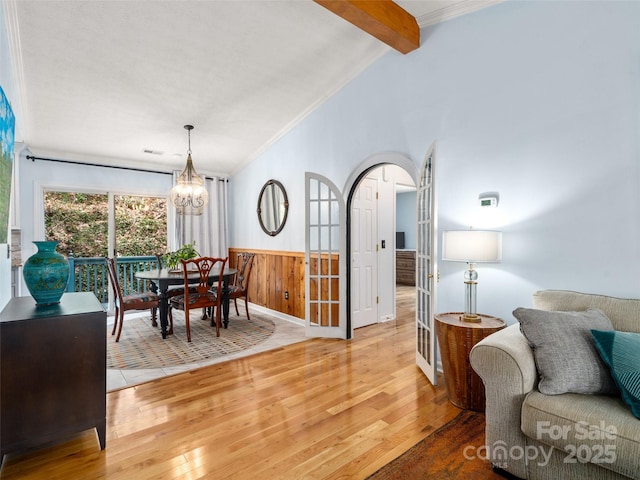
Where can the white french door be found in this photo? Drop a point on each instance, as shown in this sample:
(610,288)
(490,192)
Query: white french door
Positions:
(325,258)
(426,341)
(364,253)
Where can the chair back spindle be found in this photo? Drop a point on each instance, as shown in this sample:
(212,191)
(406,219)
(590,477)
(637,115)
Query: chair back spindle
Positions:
(200,295)
(134,301)
(240,288)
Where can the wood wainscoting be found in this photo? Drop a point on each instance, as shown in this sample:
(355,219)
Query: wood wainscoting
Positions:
(275,273)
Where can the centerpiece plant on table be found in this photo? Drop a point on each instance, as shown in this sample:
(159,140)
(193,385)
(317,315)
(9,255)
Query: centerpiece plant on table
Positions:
(173,260)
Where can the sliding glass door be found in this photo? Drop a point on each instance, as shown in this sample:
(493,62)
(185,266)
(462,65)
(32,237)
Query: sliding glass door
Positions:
(140,225)
(78,221)
(103,224)
(91,226)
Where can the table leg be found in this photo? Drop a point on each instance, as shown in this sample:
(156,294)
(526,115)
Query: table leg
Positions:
(154,288)
(225,302)
(163,308)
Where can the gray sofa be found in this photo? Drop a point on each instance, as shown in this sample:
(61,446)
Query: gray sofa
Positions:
(569,436)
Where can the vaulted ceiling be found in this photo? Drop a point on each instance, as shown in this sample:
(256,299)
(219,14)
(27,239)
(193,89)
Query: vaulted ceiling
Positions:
(113,82)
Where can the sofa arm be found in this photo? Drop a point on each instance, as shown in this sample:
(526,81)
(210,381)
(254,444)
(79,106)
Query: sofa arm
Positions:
(506,365)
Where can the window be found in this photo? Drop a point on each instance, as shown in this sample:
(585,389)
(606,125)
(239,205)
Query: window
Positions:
(80,222)
(91,226)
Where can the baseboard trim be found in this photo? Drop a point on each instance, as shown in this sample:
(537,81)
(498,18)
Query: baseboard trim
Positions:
(275,313)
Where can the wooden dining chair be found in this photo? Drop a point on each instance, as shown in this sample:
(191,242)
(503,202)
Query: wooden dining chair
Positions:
(240,286)
(173,290)
(133,301)
(204,297)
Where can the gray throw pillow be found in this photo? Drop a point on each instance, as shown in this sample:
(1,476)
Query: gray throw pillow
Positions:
(564,350)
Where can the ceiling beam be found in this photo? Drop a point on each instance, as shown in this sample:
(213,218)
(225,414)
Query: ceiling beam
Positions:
(384,19)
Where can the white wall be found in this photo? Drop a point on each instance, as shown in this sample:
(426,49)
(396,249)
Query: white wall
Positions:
(538,101)
(406,218)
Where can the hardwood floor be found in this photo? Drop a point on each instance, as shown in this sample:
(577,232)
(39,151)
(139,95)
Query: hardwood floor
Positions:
(321,409)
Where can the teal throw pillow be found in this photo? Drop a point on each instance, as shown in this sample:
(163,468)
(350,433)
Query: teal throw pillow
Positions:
(621,352)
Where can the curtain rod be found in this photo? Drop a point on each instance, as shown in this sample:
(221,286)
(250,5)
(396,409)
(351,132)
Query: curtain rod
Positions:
(117,167)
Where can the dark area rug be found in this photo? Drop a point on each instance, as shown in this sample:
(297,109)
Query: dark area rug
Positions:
(451,452)
(142,346)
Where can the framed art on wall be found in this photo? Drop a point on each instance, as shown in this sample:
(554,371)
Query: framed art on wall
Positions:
(7,125)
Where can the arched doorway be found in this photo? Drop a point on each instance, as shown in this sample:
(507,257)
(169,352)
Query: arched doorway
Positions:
(328,221)
(380,172)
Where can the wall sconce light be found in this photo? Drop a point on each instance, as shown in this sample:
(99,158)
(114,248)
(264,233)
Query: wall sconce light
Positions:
(471,246)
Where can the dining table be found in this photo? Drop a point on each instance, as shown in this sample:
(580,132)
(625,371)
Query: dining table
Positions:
(162,279)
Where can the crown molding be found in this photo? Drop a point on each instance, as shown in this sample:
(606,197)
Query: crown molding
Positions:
(454,10)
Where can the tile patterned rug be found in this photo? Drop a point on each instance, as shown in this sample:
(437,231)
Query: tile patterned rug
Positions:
(142,346)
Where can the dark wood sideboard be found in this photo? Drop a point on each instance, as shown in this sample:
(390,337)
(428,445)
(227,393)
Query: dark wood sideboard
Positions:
(52,371)
(406,267)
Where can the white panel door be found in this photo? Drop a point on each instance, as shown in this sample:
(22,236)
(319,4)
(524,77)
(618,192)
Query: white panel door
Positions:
(426,341)
(325,258)
(364,254)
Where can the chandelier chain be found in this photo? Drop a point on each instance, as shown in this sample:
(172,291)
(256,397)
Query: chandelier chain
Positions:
(189,128)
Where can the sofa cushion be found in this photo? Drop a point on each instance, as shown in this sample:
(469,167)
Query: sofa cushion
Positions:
(595,428)
(565,352)
(624,313)
(621,352)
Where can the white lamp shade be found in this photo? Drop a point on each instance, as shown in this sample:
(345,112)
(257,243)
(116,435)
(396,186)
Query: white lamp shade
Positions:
(472,246)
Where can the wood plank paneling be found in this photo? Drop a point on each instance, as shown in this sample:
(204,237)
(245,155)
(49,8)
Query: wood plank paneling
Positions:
(275,273)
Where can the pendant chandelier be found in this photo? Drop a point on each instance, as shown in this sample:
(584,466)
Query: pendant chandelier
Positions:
(189,195)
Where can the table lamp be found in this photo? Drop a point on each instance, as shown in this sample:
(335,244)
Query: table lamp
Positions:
(471,246)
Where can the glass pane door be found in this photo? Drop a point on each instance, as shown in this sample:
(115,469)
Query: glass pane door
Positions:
(140,225)
(91,226)
(325,285)
(426,342)
(78,221)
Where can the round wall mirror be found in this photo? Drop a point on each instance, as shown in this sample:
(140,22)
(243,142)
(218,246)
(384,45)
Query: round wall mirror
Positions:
(273,207)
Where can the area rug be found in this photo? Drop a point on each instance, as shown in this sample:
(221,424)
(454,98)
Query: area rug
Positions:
(451,452)
(141,345)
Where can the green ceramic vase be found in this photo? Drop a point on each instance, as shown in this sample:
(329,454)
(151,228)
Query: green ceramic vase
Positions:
(46,274)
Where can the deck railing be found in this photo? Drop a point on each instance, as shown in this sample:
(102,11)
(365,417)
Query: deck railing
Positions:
(89,274)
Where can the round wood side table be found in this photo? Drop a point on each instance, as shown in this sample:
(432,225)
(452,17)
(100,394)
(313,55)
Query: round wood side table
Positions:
(456,338)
